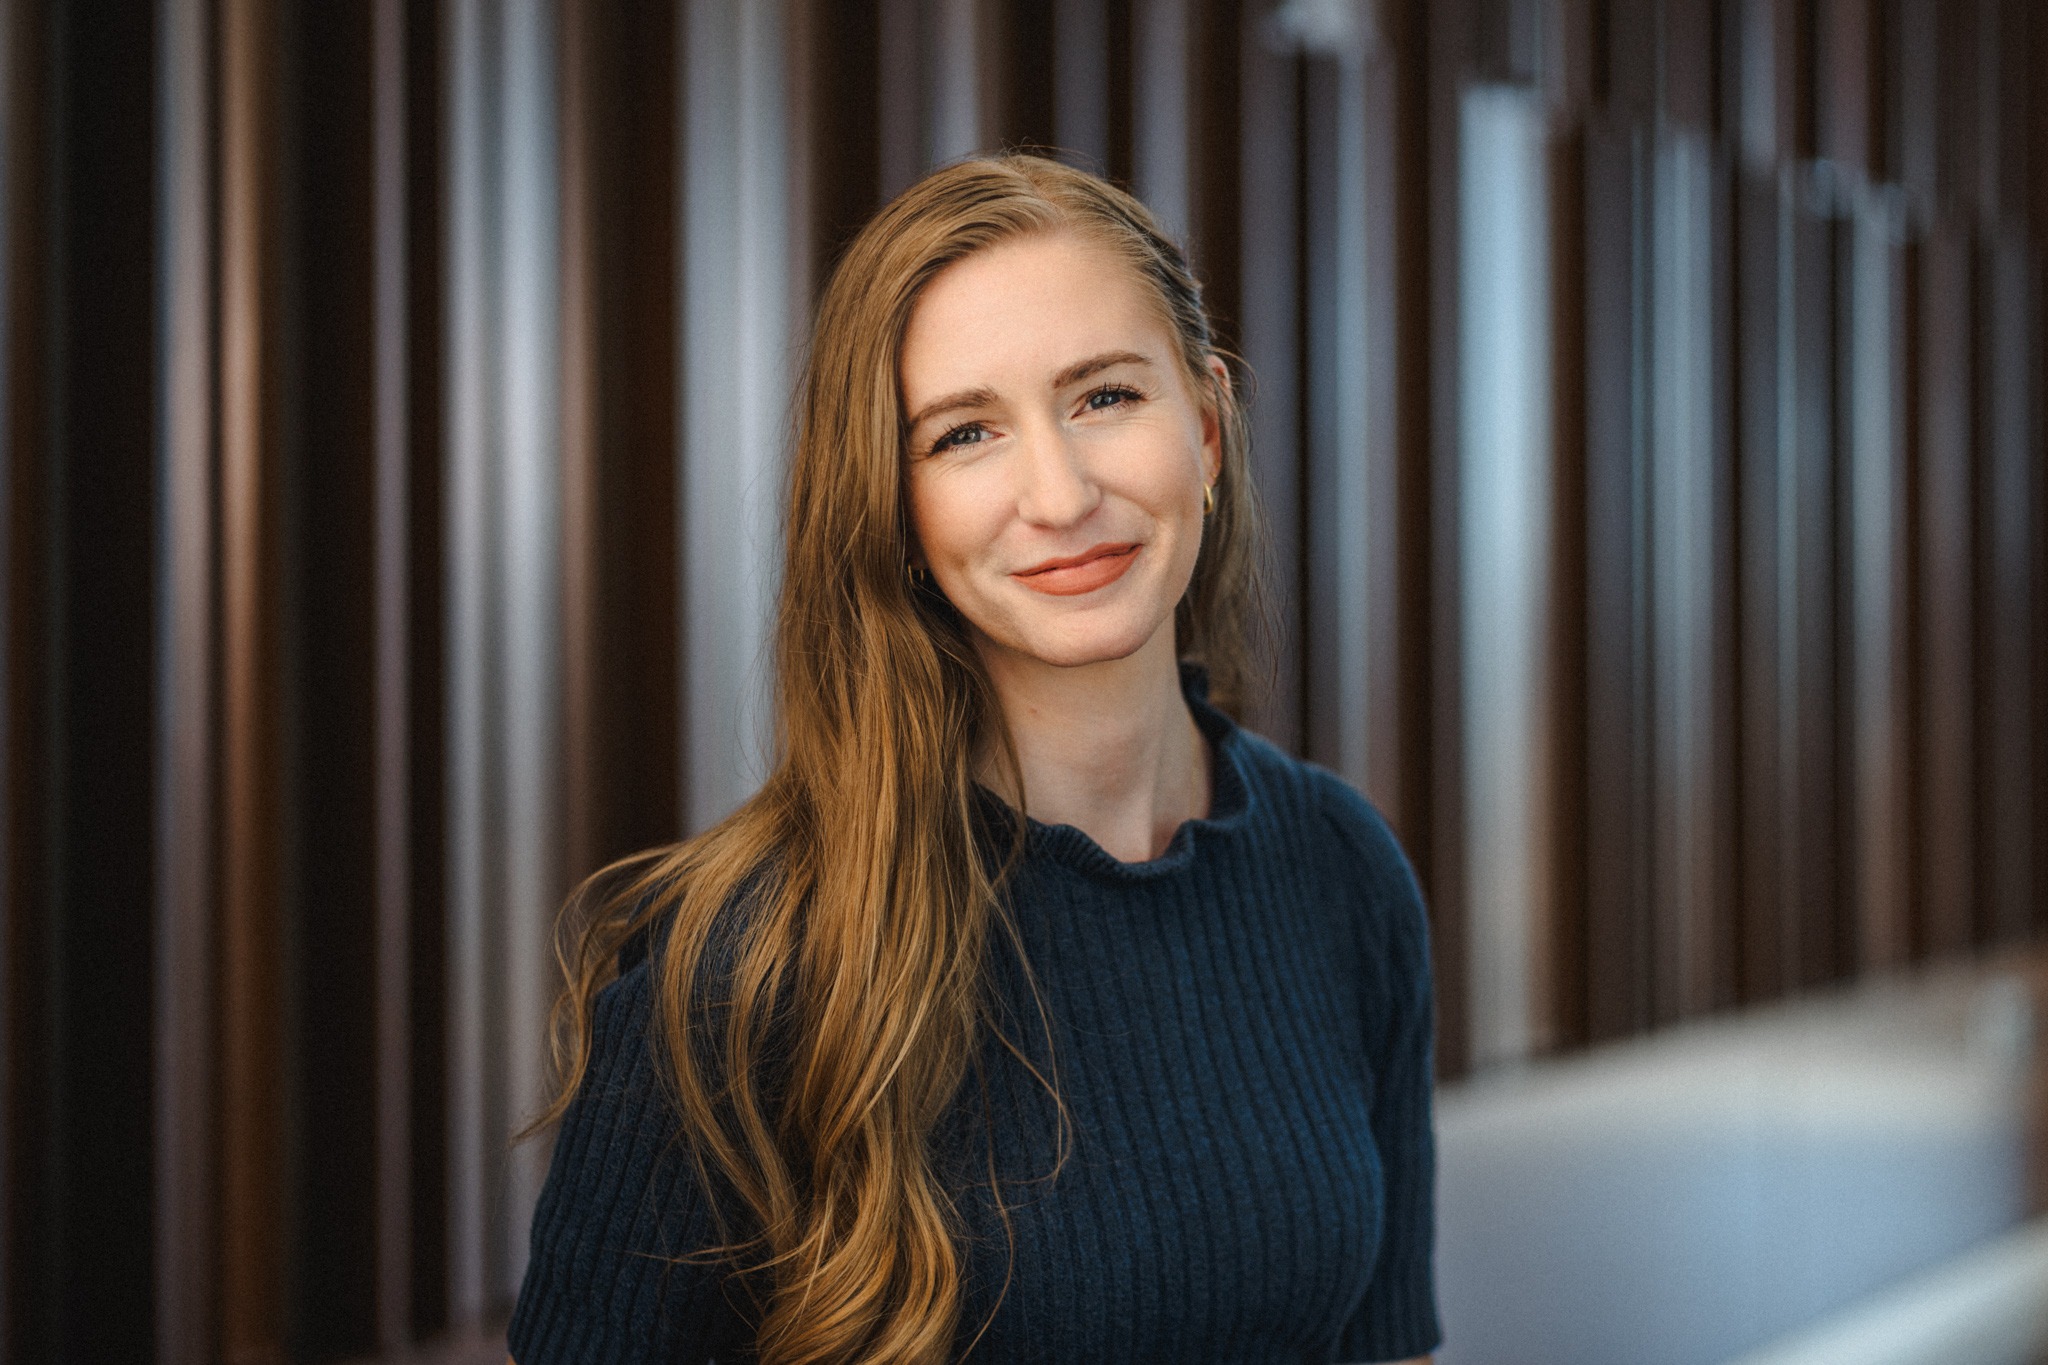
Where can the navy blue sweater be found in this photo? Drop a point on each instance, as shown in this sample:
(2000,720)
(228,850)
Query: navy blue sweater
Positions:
(1242,1030)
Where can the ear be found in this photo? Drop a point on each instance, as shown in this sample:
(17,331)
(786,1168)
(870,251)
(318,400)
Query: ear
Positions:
(1212,418)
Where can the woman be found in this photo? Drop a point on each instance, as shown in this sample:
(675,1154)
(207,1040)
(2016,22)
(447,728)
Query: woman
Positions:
(1032,1008)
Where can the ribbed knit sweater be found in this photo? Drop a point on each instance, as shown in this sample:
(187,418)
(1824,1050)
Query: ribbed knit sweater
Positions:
(1242,1031)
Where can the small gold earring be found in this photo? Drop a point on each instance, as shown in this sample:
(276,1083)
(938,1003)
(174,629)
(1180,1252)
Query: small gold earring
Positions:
(917,575)
(1208,499)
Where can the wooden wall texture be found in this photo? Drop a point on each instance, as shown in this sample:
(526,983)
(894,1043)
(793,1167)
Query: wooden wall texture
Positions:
(392,398)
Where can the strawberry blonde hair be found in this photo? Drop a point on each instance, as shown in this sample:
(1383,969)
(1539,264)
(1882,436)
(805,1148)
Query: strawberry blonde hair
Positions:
(818,956)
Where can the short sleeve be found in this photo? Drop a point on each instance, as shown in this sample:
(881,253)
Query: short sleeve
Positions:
(1397,1318)
(621,1203)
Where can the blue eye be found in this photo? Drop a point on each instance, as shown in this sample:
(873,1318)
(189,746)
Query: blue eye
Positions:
(1110,396)
(967,433)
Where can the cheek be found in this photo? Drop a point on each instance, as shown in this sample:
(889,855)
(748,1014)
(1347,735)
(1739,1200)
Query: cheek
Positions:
(943,515)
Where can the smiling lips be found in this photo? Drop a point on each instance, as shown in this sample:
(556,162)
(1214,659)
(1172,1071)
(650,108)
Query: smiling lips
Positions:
(1094,568)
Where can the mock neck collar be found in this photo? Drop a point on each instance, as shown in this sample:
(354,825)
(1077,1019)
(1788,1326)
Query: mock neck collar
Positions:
(1229,802)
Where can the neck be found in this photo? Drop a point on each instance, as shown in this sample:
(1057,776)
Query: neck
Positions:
(1108,748)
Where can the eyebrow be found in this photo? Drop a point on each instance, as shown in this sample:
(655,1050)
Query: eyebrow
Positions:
(982,397)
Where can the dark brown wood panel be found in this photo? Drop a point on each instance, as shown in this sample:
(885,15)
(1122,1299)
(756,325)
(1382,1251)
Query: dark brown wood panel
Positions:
(842,95)
(1328,711)
(26,1296)
(1618,906)
(2006,474)
(89,1288)
(1847,86)
(1916,99)
(1019,61)
(1948,893)
(1566,960)
(1689,62)
(1215,171)
(1764,893)
(1436,38)
(1396,445)
(329,254)
(1726,928)
(621,629)
(419,795)
(1823,936)
(1957,112)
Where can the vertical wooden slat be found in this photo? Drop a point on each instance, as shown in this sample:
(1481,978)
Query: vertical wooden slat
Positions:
(1847,83)
(473,879)
(1878,833)
(1397,408)
(1022,64)
(1760,268)
(1809,492)
(186,1171)
(1439,36)
(101,574)
(901,116)
(504,584)
(1270,333)
(252,1062)
(1215,170)
(2006,79)
(1775,80)
(2036,220)
(1947,745)
(619,530)
(1504,485)
(1916,102)
(1118,27)
(1161,164)
(330,256)
(26,1270)
(1080,85)
(586,40)
(735,325)
(424,795)
(960,94)
(1618,893)
(1682,430)
(1628,63)
(1335,461)
(2007,472)
(393,663)
(1725,720)
(1689,61)
(1565,982)
(843,136)
(1955,37)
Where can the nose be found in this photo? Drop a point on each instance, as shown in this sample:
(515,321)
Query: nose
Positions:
(1054,487)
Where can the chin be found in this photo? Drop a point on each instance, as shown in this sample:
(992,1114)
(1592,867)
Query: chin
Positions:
(1077,648)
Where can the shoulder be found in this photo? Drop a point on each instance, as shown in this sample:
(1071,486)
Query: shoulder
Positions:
(1357,826)
(1353,851)
(1327,810)
(618,1084)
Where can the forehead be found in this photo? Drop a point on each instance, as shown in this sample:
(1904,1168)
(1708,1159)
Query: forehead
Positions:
(1023,309)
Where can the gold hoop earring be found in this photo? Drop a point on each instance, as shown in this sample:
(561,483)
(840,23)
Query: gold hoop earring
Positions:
(1208,499)
(918,577)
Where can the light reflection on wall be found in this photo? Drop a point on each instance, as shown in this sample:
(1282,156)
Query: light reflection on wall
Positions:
(1504,424)
(505,628)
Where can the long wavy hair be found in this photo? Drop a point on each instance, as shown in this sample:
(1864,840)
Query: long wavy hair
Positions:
(818,957)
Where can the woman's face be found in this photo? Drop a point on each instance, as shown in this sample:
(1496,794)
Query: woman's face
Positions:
(1057,452)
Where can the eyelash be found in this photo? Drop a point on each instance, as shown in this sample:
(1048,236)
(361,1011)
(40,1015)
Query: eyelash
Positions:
(944,440)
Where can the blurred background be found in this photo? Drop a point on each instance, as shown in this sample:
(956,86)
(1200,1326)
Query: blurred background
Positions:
(1649,408)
